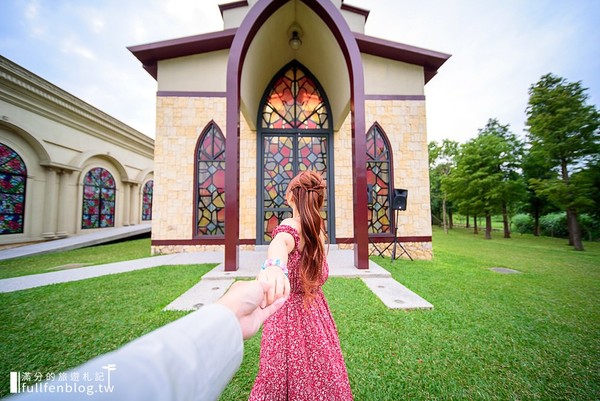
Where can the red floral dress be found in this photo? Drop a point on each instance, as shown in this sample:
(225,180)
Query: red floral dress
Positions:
(300,354)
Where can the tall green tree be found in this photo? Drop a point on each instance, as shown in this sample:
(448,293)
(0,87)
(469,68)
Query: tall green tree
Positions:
(486,180)
(441,162)
(563,130)
(508,156)
(536,168)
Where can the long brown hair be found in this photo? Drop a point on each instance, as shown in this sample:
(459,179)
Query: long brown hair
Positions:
(307,191)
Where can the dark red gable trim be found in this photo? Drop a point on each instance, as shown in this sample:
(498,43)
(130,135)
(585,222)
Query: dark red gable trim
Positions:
(231,6)
(149,54)
(429,59)
(356,10)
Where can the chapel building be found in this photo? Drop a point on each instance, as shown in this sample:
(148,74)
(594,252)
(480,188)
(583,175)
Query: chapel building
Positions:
(66,168)
(289,85)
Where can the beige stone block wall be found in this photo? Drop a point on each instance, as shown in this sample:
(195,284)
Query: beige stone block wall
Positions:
(405,125)
(179,123)
(248,147)
(344,202)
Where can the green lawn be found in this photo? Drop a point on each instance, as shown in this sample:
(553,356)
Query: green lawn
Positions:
(528,336)
(95,255)
(53,328)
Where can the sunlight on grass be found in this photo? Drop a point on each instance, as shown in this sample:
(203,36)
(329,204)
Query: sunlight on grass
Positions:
(96,255)
(533,335)
(56,327)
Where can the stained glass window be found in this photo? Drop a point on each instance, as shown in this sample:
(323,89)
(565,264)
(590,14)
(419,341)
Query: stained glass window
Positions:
(378,180)
(285,156)
(295,102)
(210,196)
(99,192)
(13,180)
(147,200)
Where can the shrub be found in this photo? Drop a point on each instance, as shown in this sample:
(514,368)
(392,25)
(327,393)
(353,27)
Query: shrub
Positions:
(522,223)
(554,225)
(590,228)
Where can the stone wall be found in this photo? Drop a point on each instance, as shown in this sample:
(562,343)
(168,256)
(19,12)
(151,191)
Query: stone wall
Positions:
(179,123)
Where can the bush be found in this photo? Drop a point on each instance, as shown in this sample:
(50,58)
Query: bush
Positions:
(554,225)
(590,228)
(522,223)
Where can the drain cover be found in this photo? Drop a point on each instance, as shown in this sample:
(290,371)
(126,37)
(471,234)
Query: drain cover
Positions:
(504,270)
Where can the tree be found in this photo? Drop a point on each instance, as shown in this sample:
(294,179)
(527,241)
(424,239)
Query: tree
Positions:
(563,131)
(535,168)
(441,162)
(508,155)
(486,178)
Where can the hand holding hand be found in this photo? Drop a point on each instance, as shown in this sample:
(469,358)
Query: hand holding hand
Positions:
(279,284)
(244,299)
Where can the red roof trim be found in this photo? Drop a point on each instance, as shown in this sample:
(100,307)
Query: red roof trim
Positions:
(231,6)
(149,54)
(356,10)
(429,59)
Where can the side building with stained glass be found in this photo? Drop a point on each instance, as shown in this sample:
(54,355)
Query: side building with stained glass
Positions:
(242,110)
(66,168)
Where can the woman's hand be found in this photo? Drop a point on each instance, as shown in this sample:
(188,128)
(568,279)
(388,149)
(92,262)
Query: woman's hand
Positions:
(278,282)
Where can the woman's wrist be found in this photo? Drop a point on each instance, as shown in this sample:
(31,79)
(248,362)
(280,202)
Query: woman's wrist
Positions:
(277,263)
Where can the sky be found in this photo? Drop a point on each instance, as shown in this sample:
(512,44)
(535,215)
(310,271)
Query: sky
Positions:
(499,48)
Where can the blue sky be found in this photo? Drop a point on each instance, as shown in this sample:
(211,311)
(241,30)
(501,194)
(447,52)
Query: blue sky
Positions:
(499,49)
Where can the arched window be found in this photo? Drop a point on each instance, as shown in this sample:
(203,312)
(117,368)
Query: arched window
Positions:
(379,177)
(147,200)
(99,191)
(210,182)
(294,135)
(295,102)
(13,180)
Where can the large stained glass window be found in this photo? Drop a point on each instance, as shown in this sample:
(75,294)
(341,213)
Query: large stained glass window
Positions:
(210,188)
(295,102)
(378,181)
(295,136)
(99,192)
(147,193)
(13,180)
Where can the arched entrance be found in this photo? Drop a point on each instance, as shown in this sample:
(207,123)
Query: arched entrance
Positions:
(294,134)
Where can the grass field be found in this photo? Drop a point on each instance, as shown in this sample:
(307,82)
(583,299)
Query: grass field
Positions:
(528,336)
(95,255)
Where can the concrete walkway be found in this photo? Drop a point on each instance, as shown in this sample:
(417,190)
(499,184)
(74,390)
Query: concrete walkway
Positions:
(78,241)
(214,283)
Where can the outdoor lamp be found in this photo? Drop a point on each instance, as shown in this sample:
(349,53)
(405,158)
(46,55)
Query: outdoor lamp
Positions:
(295,32)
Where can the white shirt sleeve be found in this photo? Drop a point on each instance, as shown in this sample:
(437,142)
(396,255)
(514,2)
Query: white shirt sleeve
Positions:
(192,358)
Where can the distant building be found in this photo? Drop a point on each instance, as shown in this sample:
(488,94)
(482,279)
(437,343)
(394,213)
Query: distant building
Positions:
(288,85)
(66,168)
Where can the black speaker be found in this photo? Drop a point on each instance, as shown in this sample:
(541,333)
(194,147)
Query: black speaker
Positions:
(399,200)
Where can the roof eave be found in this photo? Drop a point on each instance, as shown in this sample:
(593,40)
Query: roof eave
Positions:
(430,60)
(149,54)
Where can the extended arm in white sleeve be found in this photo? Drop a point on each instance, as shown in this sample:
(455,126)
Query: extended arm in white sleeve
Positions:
(192,358)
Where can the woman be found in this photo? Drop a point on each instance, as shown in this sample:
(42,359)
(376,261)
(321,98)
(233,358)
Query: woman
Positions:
(300,355)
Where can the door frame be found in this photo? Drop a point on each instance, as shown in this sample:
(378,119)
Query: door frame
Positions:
(295,134)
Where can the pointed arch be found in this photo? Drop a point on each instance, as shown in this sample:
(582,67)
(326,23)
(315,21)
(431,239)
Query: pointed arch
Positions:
(295,101)
(294,134)
(380,180)
(333,18)
(209,191)
(13,183)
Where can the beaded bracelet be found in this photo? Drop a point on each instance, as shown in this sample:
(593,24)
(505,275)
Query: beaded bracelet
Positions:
(275,262)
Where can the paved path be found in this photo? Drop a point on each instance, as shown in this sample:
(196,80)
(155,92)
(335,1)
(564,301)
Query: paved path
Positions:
(214,283)
(76,241)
